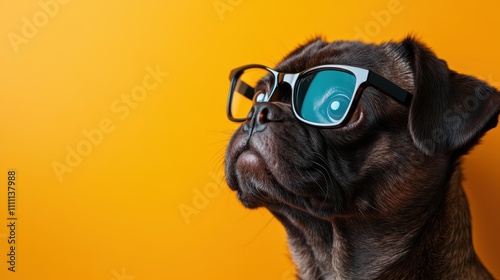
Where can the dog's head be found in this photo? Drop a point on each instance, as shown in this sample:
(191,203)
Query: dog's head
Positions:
(384,150)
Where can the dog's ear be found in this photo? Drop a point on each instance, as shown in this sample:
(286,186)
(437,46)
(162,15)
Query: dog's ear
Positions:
(449,111)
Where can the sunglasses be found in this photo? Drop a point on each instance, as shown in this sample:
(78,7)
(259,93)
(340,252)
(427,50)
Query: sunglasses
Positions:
(323,96)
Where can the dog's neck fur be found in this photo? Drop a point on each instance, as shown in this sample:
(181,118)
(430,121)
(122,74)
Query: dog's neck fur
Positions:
(388,247)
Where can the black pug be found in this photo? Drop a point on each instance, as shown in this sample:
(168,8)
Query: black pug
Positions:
(359,157)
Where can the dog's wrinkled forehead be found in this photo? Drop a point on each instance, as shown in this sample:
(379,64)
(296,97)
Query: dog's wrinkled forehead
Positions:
(387,59)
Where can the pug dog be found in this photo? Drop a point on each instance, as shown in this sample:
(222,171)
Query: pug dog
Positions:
(356,149)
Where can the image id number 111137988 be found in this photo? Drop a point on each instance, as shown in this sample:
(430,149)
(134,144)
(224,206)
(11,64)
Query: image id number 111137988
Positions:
(11,220)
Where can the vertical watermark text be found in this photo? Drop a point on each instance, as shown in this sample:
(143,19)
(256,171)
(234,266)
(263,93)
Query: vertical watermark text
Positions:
(11,220)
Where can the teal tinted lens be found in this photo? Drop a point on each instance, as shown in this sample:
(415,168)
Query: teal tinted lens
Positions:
(324,97)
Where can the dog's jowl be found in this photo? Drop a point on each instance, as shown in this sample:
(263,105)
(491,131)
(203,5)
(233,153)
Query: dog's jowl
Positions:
(355,148)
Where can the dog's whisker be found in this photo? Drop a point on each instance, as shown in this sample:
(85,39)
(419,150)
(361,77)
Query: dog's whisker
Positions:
(326,175)
(259,232)
(325,171)
(324,189)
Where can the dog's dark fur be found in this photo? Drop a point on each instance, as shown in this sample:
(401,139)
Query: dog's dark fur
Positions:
(380,198)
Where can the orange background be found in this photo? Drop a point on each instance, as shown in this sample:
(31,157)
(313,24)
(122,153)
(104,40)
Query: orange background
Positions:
(156,144)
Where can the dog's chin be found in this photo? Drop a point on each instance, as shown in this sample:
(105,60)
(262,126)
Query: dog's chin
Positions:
(254,180)
(248,202)
(258,187)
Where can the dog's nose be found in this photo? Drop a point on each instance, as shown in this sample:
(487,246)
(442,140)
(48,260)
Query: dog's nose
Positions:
(260,115)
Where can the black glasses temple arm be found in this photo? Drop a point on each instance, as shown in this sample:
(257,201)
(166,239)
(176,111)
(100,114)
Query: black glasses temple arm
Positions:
(393,90)
(246,90)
